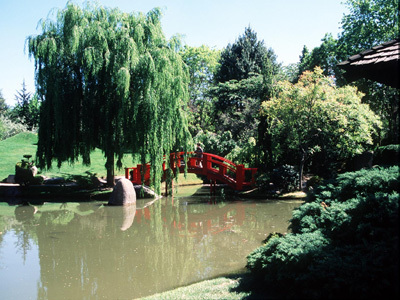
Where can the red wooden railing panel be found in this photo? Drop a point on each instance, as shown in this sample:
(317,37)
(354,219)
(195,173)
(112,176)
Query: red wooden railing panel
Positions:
(215,167)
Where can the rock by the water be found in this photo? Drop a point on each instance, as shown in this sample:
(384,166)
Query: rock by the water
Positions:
(123,193)
(34,170)
(145,192)
(11,179)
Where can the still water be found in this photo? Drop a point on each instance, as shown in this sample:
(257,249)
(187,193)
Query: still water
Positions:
(94,251)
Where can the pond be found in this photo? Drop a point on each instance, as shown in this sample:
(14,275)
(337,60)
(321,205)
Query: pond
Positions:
(89,250)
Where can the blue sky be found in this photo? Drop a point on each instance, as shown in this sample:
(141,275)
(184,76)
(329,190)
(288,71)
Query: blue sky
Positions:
(284,25)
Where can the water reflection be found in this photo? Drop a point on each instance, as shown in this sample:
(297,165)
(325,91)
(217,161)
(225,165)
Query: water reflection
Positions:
(89,250)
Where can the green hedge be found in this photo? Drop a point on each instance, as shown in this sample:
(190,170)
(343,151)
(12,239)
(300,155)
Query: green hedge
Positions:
(343,244)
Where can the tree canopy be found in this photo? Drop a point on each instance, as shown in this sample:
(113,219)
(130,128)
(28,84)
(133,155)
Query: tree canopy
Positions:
(27,108)
(367,24)
(247,55)
(313,116)
(202,63)
(109,80)
(245,77)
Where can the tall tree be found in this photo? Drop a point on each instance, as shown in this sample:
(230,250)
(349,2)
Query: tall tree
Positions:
(323,56)
(27,108)
(245,78)
(368,24)
(202,63)
(313,116)
(109,80)
(238,60)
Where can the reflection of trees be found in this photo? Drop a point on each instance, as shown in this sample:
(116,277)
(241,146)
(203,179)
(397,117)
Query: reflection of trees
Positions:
(92,255)
(25,233)
(112,252)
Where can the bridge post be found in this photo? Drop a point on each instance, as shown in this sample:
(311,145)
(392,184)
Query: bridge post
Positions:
(239,177)
(253,176)
(205,163)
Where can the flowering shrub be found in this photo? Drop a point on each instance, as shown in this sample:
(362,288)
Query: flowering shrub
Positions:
(8,128)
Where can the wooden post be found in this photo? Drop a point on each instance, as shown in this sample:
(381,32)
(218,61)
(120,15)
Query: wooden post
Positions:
(239,177)
(205,163)
(253,176)
(222,169)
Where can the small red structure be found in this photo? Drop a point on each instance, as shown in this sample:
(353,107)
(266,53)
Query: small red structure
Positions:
(214,167)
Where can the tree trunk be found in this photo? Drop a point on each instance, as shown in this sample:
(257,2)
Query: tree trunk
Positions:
(110,170)
(301,168)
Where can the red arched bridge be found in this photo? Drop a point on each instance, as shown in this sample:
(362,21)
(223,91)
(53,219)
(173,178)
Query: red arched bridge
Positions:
(214,167)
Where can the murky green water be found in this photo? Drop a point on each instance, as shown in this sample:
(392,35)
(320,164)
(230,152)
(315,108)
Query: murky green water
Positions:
(93,251)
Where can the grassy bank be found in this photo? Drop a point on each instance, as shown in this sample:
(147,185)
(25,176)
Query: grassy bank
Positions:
(219,288)
(13,149)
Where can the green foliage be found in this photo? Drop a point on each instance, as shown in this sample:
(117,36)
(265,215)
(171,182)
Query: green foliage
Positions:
(245,77)
(314,117)
(387,155)
(202,63)
(323,56)
(9,128)
(368,24)
(344,241)
(27,109)
(285,178)
(119,66)
(247,55)
(84,181)
(245,153)
(216,144)
(282,258)
(357,184)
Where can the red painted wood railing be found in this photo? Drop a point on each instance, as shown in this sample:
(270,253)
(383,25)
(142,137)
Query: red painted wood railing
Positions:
(214,167)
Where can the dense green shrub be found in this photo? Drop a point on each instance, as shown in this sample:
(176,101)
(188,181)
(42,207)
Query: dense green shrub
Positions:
(387,155)
(344,241)
(285,178)
(216,144)
(9,128)
(360,183)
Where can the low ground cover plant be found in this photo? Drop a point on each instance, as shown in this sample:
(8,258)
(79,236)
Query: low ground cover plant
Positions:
(344,241)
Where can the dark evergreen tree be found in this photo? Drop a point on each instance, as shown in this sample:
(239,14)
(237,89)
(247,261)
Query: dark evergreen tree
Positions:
(245,78)
(27,109)
(323,56)
(238,60)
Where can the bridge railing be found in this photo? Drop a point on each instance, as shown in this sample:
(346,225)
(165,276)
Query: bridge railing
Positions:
(210,165)
(221,166)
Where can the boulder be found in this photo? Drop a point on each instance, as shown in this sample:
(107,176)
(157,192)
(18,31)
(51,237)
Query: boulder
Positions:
(11,179)
(123,193)
(34,170)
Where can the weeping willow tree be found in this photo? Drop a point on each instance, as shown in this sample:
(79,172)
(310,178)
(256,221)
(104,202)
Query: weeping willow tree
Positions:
(109,80)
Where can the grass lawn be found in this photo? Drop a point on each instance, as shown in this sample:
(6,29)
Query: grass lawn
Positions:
(14,148)
(219,288)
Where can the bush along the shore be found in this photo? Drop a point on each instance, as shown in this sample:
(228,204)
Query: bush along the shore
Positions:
(344,241)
